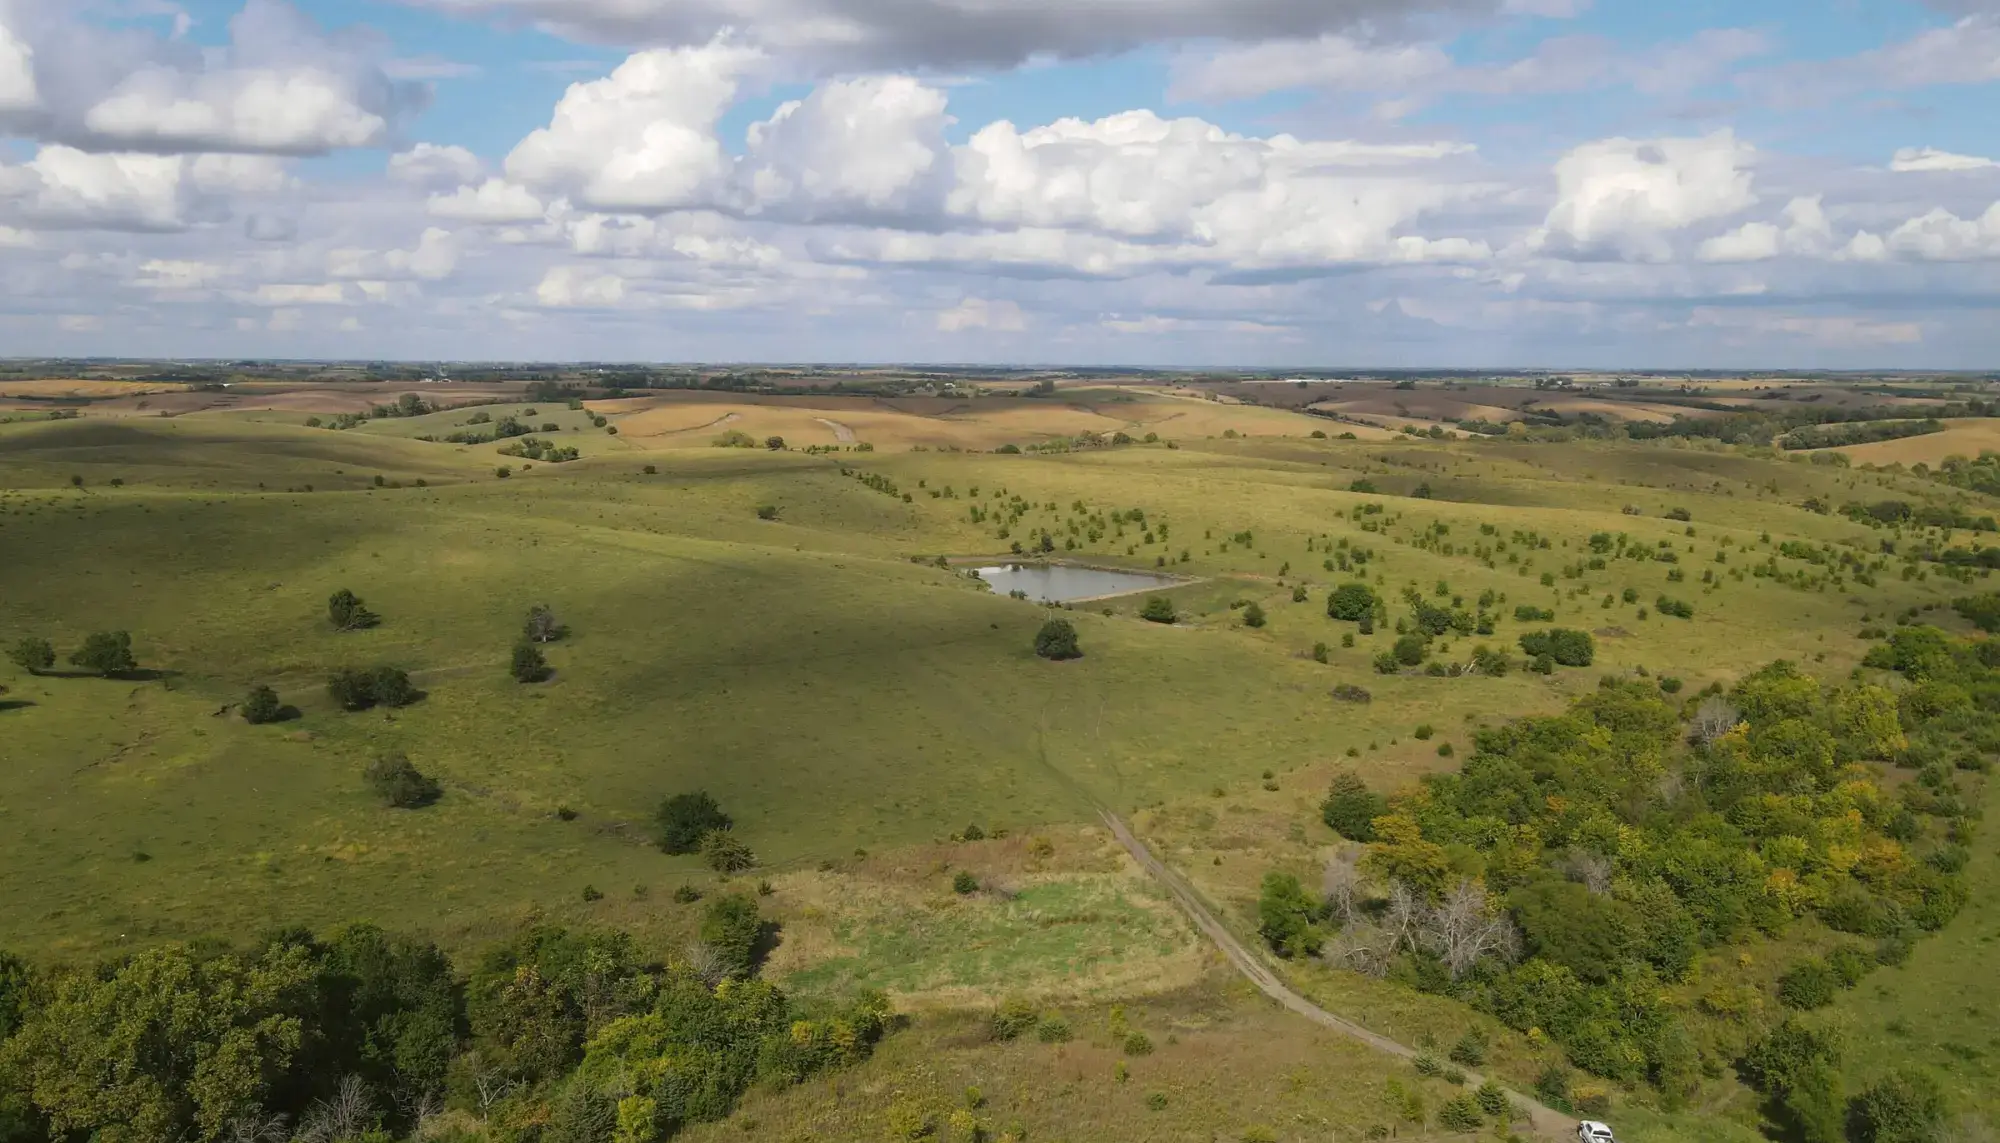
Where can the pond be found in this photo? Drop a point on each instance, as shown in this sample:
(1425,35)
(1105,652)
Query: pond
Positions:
(1061,583)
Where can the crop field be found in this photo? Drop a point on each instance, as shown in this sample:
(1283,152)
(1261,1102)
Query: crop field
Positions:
(1962,437)
(796,633)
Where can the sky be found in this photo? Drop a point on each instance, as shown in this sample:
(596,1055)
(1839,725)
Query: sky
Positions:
(1562,184)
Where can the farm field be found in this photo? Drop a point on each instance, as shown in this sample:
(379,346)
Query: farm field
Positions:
(1966,437)
(797,634)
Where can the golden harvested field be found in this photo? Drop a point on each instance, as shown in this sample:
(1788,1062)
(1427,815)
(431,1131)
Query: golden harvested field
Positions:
(79,387)
(1967,438)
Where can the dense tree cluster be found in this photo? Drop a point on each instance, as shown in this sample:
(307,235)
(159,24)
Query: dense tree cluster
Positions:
(1579,864)
(558,1035)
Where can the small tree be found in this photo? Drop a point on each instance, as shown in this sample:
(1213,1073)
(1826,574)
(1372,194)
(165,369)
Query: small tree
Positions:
(684,819)
(724,853)
(732,928)
(1253,616)
(1351,602)
(542,626)
(775,444)
(1351,807)
(261,706)
(964,883)
(528,666)
(399,784)
(32,655)
(105,653)
(1286,916)
(351,689)
(1906,1106)
(391,686)
(348,613)
(1057,640)
(1158,609)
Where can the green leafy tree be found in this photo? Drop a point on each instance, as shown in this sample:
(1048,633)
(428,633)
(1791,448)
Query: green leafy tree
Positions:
(1565,646)
(261,706)
(1286,917)
(32,655)
(106,653)
(528,665)
(391,686)
(1807,985)
(1253,616)
(1412,649)
(1057,640)
(400,784)
(1982,611)
(1350,808)
(1158,609)
(351,689)
(1351,602)
(684,819)
(1905,1106)
(348,613)
(732,928)
(542,626)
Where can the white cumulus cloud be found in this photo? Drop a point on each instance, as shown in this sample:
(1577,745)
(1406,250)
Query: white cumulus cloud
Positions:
(1621,198)
(432,165)
(1928,159)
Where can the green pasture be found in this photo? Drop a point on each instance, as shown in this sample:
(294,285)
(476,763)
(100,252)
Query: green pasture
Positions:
(833,693)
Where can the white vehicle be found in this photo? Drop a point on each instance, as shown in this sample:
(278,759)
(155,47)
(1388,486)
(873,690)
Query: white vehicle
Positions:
(1591,1131)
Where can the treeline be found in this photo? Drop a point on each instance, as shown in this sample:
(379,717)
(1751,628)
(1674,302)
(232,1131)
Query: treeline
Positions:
(1856,432)
(1579,866)
(558,1036)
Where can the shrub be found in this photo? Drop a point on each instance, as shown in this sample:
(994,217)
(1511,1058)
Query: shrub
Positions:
(1470,1049)
(1460,1114)
(1156,1101)
(391,686)
(542,626)
(775,444)
(1528,613)
(1678,608)
(767,511)
(687,894)
(1286,916)
(1253,616)
(1299,593)
(1670,685)
(724,853)
(1350,808)
(32,655)
(528,665)
(732,927)
(1138,1044)
(1492,1098)
(1013,1019)
(1849,964)
(105,653)
(684,819)
(1348,692)
(351,689)
(348,613)
(1158,609)
(1807,985)
(261,706)
(1386,663)
(1552,1087)
(1424,732)
(1680,514)
(1320,652)
(1566,646)
(1351,602)
(964,883)
(1906,1106)
(400,784)
(1428,1065)
(1411,650)
(1057,641)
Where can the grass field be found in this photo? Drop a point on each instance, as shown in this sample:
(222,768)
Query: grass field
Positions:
(853,705)
(1966,437)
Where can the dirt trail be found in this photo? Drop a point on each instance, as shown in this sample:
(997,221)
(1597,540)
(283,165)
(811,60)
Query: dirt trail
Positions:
(841,432)
(1546,1121)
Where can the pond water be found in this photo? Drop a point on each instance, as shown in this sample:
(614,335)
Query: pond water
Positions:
(1060,583)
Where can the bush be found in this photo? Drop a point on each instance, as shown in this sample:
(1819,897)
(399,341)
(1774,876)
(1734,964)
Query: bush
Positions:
(1053,1030)
(1158,609)
(1470,1049)
(542,626)
(1350,808)
(1348,692)
(1014,1018)
(1351,602)
(1670,685)
(1057,641)
(348,613)
(391,686)
(1679,609)
(733,928)
(1460,1114)
(1807,985)
(767,511)
(105,653)
(1156,1101)
(32,655)
(724,853)
(1528,613)
(1906,1106)
(1424,732)
(775,444)
(261,706)
(1253,616)
(528,665)
(1320,653)
(400,784)
(1850,963)
(1566,646)
(964,883)
(1492,1098)
(1412,649)
(351,689)
(1286,916)
(1428,1065)
(684,819)
(1138,1044)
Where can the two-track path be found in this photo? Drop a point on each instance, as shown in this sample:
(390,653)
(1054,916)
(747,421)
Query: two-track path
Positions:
(1547,1122)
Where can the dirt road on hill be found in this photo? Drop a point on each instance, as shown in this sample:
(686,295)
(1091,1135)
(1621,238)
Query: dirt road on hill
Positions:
(1546,1121)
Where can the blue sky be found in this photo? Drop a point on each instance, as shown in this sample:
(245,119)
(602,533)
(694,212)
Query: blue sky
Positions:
(1163,182)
